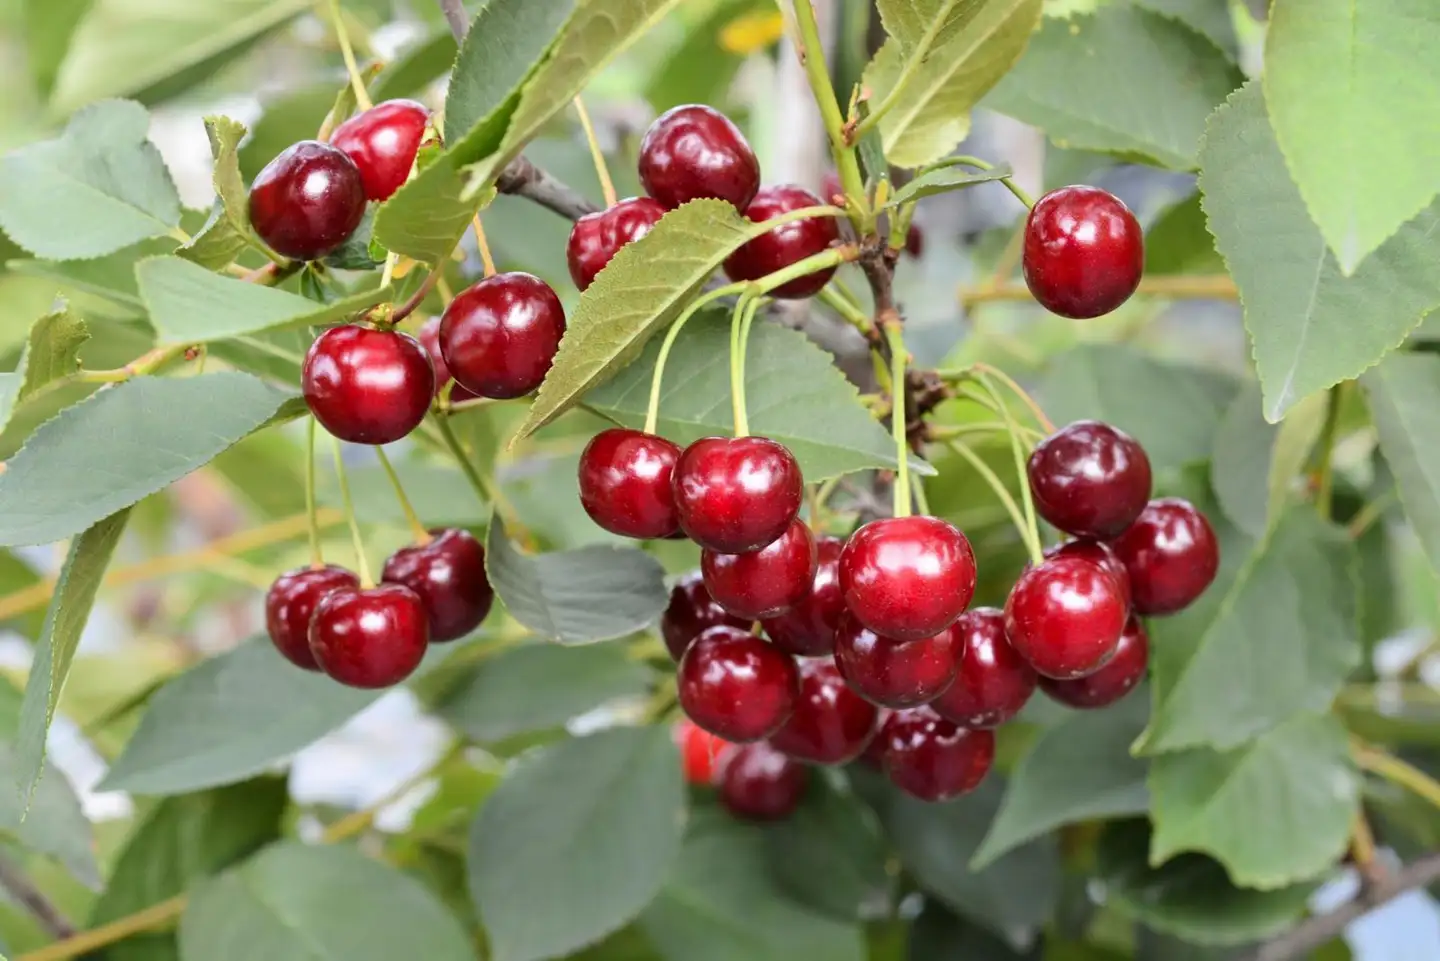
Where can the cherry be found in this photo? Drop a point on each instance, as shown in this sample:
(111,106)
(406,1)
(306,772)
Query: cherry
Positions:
(1065,617)
(448,575)
(737,494)
(367,386)
(597,237)
(1113,681)
(696,151)
(383,142)
(1084,252)
(934,759)
(895,673)
(907,577)
(700,752)
(429,337)
(874,753)
(1090,479)
(766,582)
(831,723)
(499,336)
(758,783)
(915,241)
(786,244)
(1171,554)
(1100,554)
(369,637)
(307,201)
(290,603)
(625,483)
(994,682)
(808,628)
(691,612)
(736,686)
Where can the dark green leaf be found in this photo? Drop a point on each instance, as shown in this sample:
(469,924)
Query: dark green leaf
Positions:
(1404,395)
(1178,242)
(51,351)
(943,180)
(937,934)
(829,854)
(1255,464)
(357,252)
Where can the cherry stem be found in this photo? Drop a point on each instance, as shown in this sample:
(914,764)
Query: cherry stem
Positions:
(998,486)
(974,373)
(486,487)
(607,186)
(1009,181)
(1397,772)
(744,311)
(387,274)
(848,310)
(417,298)
(1022,478)
(362,97)
(483,245)
(362,566)
(652,410)
(422,536)
(847,164)
(317,558)
(895,337)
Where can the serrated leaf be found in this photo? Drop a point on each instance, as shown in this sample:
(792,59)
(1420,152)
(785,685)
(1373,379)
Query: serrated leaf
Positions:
(99,186)
(225,135)
(1178,242)
(51,351)
(1311,327)
(217,243)
(426,218)
(1254,465)
(1210,18)
(943,180)
(1404,395)
(52,823)
(587,827)
(828,854)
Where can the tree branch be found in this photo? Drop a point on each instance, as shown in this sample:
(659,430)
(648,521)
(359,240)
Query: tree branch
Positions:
(14,881)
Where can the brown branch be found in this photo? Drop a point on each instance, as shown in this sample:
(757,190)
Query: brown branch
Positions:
(13,880)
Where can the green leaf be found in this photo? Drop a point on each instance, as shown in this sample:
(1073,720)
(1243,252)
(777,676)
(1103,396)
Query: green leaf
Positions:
(1208,17)
(1311,327)
(1178,242)
(1121,80)
(575,597)
(99,186)
(829,854)
(51,351)
(1254,466)
(1404,395)
(945,179)
(442,496)
(298,902)
(359,251)
(700,68)
(426,218)
(54,823)
(587,828)
(410,72)
(1274,811)
(225,136)
(937,933)
(49,24)
(216,245)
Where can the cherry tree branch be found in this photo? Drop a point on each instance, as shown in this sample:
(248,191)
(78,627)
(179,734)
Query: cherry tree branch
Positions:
(14,881)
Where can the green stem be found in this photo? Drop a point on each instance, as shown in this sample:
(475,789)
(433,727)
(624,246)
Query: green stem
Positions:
(652,410)
(1022,477)
(1014,387)
(317,559)
(1396,771)
(488,490)
(602,172)
(833,257)
(362,97)
(996,485)
(422,536)
(921,501)
(895,337)
(847,164)
(847,309)
(1325,472)
(362,566)
(744,310)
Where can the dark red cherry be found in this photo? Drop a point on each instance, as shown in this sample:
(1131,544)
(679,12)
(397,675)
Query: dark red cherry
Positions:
(895,673)
(369,637)
(786,244)
(700,752)
(448,575)
(429,337)
(691,612)
(934,759)
(758,783)
(1099,553)
(915,241)
(290,603)
(737,494)
(1084,252)
(1113,681)
(766,582)
(367,386)
(499,336)
(1065,617)
(831,190)
(736,686)
(1171,554)
(307,201)
(1090,479)
(383,142)
(808,628)
(907,577)
(994,682)
(874,753)
(695,151)
(597,237)
(831,723)
(625,483)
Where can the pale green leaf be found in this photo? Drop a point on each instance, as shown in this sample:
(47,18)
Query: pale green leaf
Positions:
(829,854)
(426,218)
(51,351)
(1208,17)
(945,179)
(1255,464)
(225,136)
(49,24)
(1404,395)
(54,824)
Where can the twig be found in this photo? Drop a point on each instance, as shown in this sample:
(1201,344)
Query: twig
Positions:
(13,880)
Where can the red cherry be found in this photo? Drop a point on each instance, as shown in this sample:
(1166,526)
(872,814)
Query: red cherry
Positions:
(429,337)
(625,483)
(696,151)
(737,494)
(290,603)
(700,752)
(766,582)
(786,244)
(758,783)
(832,190)
(1100,554)
(383,142)
(1065,617)
(1084,252)
(895,673)
(831,723)
(736,686)
(1090,479)
(499,336)
(808,628)
(597,237)
(1171,554)
(915,241)
(367,386)
(691,612)
(934,759)
(907,577)
(307,201)
(448,575)
(369,637)
(1113,681)
(874,753)
(994,682)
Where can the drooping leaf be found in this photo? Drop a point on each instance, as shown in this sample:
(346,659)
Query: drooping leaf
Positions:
(51,351)
(1255,463)
(1404,395)
(828,854)
(945,179)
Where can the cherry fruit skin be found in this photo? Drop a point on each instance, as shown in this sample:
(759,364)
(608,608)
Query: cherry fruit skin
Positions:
(737,494)
(831,724)
(1065,617)
(307,201)
(907,578)
(448,575)
(1171,554)
(758,783)
(370,637)
(695,151)
(700,752)
(383,142)
(1113,681)
(626,483)
(766,582)
(736,686)
(1100,554)
(291,602)
(597,237)
(429,337)
(786,244)
(691,612)
(807,629)
(1084,252)
(994,682)
(933,759)
(367,386)
(1090,479)
(499,336)
(895,673)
